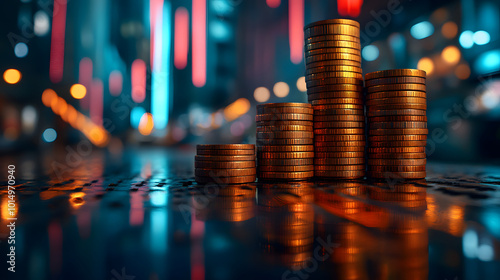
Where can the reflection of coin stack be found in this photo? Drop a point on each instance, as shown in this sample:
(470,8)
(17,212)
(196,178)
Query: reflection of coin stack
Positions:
(335,89)
(286,220)
(408,195)
(225,164)
(335,196)
(284,141)
(233,203)
(397,122)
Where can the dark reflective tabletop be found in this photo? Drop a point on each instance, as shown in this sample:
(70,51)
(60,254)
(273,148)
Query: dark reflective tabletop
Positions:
(140,215)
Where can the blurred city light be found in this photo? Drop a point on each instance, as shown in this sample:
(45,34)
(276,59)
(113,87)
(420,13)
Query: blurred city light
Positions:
(146,124)
(78,91)
(115,82)
(135,116)
(220,30)
(12,76)
(488,62)
(449,30)
(451,54)
(138,77)
(466,39)
(273,3)
(481,37)
(47,96)
(49,135)
(397,42)
(181,37)
(490,99)
(57,42)
(85,69)
(350,8)
(301,84)
(21,50)
(296,30)
(96,101)
(426,64)
(199,42)
(28,118)
(261,94)
(370,53)
(462,71)
(422,30)
(41,25)
(470,243)
(281,89)
(237,109)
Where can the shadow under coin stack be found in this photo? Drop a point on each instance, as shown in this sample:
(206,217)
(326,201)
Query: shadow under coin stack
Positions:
(396,105)
(285,148)
(335,89)
(225,164)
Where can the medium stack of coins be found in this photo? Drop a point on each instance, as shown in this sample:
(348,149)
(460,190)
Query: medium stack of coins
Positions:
(284,141)
(397,122)
(225,164)
(335,89)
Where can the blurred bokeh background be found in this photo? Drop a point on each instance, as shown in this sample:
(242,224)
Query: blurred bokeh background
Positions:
(173,72)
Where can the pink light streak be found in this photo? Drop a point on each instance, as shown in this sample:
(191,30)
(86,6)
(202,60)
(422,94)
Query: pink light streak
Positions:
(96,101)
(56,66)
(273,3)
(85,78)
(115,83)
(295,29)
(181,38)
(138,73)
(155,17)
(199,42)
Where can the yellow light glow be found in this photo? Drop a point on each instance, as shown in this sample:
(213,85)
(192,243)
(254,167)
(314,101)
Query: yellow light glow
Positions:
(261,94)
(237,109)
(146,124)
(12,76)
(462,71)
(426,64)
(449,30)
(281,89)
(47,97)
(451,54)
(301,84)
(78,91)
(76,199)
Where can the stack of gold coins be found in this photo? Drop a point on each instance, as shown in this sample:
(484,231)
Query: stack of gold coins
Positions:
(335,89)
(225,164)
(396,104)
(285,148)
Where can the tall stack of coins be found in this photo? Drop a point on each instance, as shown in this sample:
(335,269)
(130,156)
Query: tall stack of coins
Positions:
(397,122)
(285,148)
(225,164)
(335,89)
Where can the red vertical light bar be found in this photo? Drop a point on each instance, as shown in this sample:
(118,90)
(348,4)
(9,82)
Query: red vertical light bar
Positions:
(56,66)
(138,74)
(273,3)
(85,78)
(350,8)
(115,83)
(295,29)
(199,42)
(197,260)
(96,101)
(181,38)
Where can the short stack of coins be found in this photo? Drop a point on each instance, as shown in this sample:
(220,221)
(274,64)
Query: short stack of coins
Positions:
(285,148)
(225,164)
(397,123)
(334,82)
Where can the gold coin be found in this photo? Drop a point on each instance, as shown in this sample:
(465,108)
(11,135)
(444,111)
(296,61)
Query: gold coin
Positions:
(396,87)
(396,131)
(276,142)
(333,69)
(279,155)
(274,128)
(281,117)
(396,112)
(286,168)
(224,158)
(224,164)
(284,105)
(285,110)
(330,131)
(397,138)
(397,119)
(339,124)
(320,149)
(406,168)
(340,21)
(340,144)
(285,134)
(332,50)
(395,80)
(338,112)
(340,174)
(278,123)
(226,180)
(288,161)
(326,75)
(335,38)
(226,152)
(331,29)
(395,73)
(339,137)
(386,125)
(286,175)
(335,94)
(397,155)
(224,172)
(399,100)
(396,175)
(330,101)
(397,150)
(396,94)
(286,148)
(379,107)
(398,144)
(332,56)
(225,147)
(384,161)
(334,118)
(334,62)
(332,88)
(353,167)
(330,81)
(338,106)
(339,155)
(333,44)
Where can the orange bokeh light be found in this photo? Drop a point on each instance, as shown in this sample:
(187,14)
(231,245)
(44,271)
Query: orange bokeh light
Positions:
(146,124)
(12,76)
